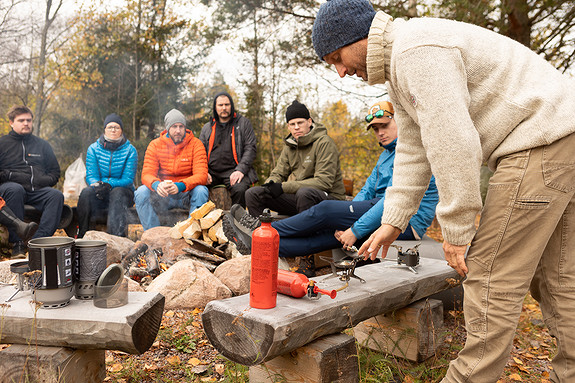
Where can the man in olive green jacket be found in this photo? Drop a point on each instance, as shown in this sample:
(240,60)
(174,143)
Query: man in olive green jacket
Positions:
(308,170)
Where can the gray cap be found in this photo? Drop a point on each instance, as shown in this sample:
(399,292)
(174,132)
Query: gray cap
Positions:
(173,117)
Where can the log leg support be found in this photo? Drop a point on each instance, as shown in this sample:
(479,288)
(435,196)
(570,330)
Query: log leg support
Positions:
(413,332)
(332,358)
(22,363)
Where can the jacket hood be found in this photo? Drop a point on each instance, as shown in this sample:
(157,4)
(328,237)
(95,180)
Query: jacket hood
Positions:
(233,111)
(314,134)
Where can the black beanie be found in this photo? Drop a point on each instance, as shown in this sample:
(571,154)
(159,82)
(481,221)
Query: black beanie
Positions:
(296,110)
(113,118)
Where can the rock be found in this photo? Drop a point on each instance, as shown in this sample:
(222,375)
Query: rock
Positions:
(235,274)
(158,237)
(133,285)
(6,276)
(117,246)
(188,285)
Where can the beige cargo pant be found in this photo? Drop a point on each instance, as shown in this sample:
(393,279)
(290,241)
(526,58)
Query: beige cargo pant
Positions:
(525,240)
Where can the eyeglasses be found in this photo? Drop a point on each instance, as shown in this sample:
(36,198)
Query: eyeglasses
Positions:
(113,128)
(379,114)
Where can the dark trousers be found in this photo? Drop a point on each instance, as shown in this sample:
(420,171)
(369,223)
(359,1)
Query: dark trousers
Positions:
(47,200)
(312,231)
(257,199)
(117,202)
(237,191)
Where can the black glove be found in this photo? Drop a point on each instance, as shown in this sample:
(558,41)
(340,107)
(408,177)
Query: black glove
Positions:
(274,189)
(102,189)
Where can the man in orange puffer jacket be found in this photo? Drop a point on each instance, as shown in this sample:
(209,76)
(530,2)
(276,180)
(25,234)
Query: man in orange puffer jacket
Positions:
(175,172)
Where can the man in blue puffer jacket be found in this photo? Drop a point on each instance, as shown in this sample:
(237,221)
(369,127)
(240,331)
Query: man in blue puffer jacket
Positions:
(111,164)
(331,224)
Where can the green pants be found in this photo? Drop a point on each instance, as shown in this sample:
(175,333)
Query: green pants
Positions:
(525,241)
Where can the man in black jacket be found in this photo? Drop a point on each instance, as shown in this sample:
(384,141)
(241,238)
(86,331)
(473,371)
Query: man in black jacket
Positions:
(28,169)
(231,148)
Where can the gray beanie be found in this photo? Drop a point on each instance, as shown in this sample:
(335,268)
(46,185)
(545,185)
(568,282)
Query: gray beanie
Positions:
(173,117)
(339,23)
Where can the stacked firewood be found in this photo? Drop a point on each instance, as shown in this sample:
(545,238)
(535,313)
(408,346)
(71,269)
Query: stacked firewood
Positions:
(205,223)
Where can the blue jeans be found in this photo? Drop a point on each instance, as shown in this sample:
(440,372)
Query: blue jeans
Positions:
(48,200)
(149,204)
(312,230)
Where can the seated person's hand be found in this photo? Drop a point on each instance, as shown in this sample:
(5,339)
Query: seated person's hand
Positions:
(347,238)
(274,189)
(165,188)
(102,189)
(236,177)
(209,182)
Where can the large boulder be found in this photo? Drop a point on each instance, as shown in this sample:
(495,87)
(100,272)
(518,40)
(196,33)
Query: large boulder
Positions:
(158,237)
(117,246)
(235,274)
(133,285)
(188,285)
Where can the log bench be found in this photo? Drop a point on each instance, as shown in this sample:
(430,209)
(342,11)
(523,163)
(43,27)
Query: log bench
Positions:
(70,342)
(251,336)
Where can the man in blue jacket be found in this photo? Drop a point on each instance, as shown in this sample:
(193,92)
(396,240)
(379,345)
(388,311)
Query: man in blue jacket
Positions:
(331,224)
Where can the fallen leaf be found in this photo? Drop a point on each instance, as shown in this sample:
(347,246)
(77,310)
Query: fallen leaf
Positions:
(173,360)
(109,359)
(545,374)
(194,361)
(150,367)
(196,311)
(515,377)
(517,360)
(200,369)
(116,367)
(219,368)
(196,324)
(156,344)
(169,314)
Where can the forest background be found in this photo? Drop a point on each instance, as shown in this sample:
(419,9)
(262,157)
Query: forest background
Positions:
(74,62)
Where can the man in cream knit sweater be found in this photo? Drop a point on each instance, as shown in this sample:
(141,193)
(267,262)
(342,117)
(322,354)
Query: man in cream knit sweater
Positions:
(463,96)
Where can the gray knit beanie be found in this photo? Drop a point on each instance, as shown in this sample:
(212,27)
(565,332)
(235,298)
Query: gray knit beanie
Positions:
(173,117)
(339,23)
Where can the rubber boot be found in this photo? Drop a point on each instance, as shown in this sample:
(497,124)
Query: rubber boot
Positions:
(23,230)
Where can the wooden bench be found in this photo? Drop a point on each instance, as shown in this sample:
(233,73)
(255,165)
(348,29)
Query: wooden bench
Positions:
(69,342)
(251,337)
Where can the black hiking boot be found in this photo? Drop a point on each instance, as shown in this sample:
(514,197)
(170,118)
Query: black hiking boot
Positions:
(307,266)
(23,230)
(19,250)
(238,228)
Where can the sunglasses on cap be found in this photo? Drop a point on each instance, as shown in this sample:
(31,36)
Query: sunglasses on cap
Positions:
(379,114)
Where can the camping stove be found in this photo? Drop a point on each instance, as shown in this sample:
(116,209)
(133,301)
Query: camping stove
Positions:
(343,267)
(19,268)
(409,258)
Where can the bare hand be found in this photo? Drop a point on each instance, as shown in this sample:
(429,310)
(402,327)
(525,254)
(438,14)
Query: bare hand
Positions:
(209,182)
(166,188)
(455,257)
(381,238)
(236,177)
(347,238)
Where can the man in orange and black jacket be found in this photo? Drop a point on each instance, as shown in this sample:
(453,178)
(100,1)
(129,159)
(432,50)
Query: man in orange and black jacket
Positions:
(174,174)
(230,144)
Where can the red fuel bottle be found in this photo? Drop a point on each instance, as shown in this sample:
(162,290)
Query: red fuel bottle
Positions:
(264,277)
(297,285)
